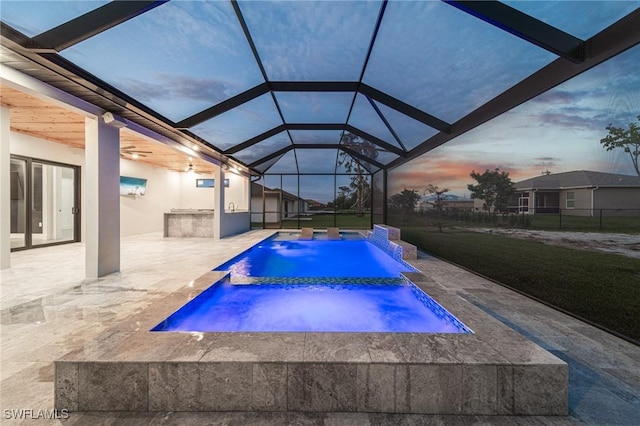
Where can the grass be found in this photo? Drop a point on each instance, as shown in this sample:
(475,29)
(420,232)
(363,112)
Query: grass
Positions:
(614,224)
(602,288)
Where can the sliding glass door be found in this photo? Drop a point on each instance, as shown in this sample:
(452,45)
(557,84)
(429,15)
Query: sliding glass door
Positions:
(18,203)
(44,203)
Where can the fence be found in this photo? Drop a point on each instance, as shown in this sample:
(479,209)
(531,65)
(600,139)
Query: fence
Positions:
(312,219)
(599,220)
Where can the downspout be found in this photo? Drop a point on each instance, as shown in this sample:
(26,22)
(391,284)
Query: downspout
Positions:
(593,190)
(532,208)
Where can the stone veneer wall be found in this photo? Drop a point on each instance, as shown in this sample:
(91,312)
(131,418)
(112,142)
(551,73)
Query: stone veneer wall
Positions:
(431,388)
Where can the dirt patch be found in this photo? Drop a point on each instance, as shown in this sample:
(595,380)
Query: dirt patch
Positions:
(624,244)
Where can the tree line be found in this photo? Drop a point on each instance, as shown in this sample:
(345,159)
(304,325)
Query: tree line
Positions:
(493,187)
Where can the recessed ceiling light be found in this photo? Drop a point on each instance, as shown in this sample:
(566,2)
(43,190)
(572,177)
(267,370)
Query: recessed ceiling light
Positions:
(187,151)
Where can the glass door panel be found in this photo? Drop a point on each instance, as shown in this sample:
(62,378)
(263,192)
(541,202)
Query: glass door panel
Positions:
(44,203)
(18,202)
(53,203)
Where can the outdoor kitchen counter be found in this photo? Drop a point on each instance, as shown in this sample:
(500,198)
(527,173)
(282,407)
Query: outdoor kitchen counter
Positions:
(189,223)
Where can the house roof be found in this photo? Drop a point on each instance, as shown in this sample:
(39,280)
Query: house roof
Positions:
(578,179)
(296,87)
(257,190)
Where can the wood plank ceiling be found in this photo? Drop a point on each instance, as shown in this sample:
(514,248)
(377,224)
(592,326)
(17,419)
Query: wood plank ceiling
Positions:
(45,120)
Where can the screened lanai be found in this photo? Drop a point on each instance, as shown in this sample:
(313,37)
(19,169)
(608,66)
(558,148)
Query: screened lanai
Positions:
(314,101)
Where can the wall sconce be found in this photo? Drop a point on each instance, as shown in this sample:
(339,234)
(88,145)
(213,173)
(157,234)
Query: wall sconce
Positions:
(114,120)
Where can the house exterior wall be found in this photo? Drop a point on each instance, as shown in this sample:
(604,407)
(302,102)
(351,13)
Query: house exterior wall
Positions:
(613,201)
(582,202)
(138,215)
(142,214)
(192,197)
(478,205)
(609,199)
(423,206)
(271,205)
(458,205)
(236,193)
(289,209)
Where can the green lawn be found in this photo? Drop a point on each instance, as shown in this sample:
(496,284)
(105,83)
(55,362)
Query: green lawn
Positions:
(603,288)
(614,224)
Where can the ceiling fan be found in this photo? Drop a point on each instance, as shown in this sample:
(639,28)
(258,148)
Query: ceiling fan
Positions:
(132,152)
(190,169)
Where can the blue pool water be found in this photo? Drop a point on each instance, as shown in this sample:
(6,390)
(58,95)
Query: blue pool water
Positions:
(311,308)
(315,258)
(286,285)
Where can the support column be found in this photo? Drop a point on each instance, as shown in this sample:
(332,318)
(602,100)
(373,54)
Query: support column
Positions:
(5,189)
(384,197)
(246,181)
(102,193)
(218,204)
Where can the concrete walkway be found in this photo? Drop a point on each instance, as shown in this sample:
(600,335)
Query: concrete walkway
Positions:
(48,309)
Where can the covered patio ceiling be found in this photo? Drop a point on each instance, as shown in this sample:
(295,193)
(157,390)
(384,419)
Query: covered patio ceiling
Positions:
(300,86)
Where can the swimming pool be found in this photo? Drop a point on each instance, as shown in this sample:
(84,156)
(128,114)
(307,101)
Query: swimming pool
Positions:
(281,257)
(307,307)
(284,285)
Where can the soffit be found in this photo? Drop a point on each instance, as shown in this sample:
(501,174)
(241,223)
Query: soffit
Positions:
(41,119)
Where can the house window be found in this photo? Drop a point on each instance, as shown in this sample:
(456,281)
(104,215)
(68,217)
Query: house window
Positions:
(523,203)
(571,200)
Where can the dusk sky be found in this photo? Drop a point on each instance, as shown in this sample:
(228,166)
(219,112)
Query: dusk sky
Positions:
(183,57)
(558,131)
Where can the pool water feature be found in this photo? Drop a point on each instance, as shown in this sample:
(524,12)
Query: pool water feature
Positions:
(287,285)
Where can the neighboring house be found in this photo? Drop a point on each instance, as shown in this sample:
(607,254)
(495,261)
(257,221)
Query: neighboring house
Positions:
(449,202)
(461,204)
(274,205)
(478,205)
(579,193)
(314,205)
(424,205)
